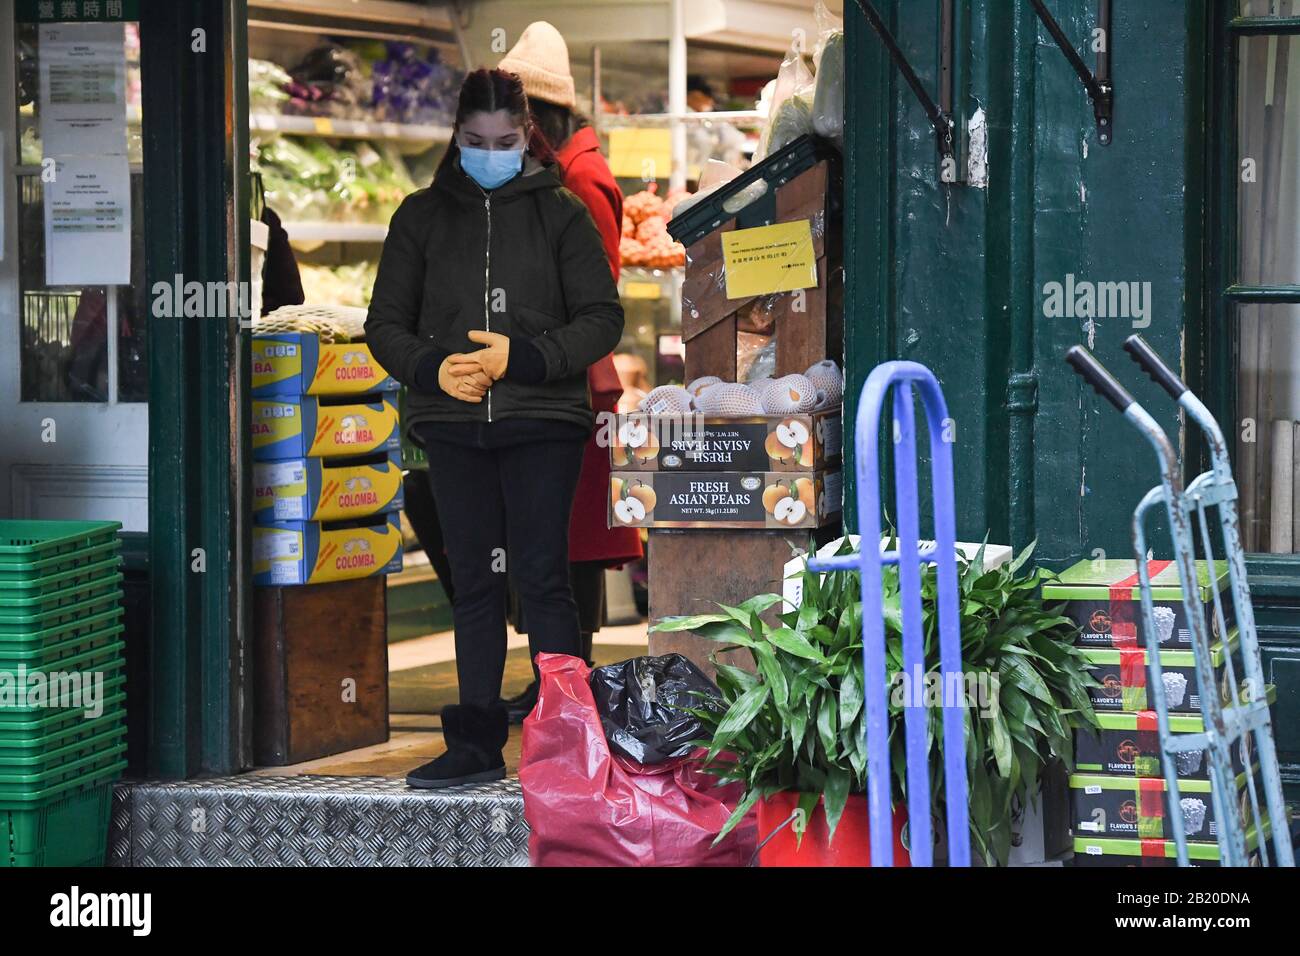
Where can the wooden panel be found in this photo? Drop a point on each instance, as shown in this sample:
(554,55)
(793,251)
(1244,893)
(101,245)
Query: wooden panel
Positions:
(693,571)
(713,352)
(707,313)
(309,642)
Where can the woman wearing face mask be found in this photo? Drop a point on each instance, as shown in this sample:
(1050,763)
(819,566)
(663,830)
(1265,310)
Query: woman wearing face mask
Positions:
(492,299)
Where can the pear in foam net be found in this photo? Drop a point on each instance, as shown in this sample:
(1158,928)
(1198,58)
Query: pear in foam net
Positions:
(728,400)
(791,394)
(701,383)
(762,387)
(667,400)
(828,380)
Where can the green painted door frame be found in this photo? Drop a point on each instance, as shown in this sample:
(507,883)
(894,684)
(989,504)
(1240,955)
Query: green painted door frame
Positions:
(953,276)
(194,69)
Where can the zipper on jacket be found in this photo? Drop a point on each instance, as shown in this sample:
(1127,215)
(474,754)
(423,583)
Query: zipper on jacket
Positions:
(487,283)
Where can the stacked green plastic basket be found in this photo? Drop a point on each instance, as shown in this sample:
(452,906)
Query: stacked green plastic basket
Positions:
(62,690)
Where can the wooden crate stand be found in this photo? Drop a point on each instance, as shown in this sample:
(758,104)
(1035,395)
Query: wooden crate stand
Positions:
(310,640)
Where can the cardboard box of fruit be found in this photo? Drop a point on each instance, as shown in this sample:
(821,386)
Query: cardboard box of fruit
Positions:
(1123,674)
(298,363)
(1138,807)
(661,499)
(1103,598)
(788,443)
(309,552)
(310,489)
(1129,745)
(304,427)
(1098,851)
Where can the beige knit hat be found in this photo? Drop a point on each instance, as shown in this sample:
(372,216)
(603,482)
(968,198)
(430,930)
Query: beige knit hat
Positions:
(541,58)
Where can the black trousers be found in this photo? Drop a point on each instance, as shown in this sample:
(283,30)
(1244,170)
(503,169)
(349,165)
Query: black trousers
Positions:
(504,501)
(423,515)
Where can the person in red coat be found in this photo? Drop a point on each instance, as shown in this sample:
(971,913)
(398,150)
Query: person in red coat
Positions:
(541,59)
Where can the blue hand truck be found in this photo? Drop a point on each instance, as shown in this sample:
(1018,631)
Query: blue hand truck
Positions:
(909,556)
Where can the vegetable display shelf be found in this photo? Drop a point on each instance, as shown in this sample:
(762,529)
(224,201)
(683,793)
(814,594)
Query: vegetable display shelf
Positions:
(348,129)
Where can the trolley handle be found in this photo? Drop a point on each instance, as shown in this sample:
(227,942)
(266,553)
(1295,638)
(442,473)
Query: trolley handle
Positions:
(1095,374)
(1154,365)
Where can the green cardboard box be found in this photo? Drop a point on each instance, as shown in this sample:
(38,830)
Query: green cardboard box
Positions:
(1104,600)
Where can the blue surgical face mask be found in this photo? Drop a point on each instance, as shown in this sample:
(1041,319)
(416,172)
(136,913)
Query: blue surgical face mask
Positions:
(491,168)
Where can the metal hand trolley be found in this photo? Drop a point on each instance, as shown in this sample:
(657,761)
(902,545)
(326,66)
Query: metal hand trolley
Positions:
(909,557)
(1244,720)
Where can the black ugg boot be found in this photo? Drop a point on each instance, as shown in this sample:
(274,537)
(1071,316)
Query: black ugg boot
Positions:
(475,736)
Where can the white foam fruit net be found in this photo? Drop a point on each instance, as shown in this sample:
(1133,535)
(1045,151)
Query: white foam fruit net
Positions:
(1188,762)
(1164,623)
(1193,815)
(1175,689)
(333,323)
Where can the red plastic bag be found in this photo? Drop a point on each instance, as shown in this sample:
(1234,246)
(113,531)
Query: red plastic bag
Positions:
(588,807)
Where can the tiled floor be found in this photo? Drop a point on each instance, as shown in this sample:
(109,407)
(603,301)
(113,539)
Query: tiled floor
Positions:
(417,738)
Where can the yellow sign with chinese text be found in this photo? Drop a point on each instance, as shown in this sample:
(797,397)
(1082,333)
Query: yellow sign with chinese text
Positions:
(644,154)
(767,259)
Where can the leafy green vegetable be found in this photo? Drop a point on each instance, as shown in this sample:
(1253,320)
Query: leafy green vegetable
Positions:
(797,723)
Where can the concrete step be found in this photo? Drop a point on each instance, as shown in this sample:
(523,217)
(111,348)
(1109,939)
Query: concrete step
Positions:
(307,820)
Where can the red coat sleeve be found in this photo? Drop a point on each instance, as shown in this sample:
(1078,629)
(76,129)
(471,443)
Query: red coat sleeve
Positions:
(589,178)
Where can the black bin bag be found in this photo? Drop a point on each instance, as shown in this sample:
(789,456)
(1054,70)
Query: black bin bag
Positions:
(643,706)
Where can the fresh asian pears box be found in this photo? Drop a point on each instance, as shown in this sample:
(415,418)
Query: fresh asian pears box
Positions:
(311,489)
(304,427)
(1103,598)
(311,552)
(723,499)
(803,442)
(297,363)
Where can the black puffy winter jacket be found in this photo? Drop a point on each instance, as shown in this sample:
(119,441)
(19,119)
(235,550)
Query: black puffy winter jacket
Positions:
(524,260)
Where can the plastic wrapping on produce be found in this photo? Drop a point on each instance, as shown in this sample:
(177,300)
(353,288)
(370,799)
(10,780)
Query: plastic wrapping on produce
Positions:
(645,703)
(408,88)
(267,85)
(790,109)
(828,60)
(755,357)
(588,806)
(329,81)
(309,179)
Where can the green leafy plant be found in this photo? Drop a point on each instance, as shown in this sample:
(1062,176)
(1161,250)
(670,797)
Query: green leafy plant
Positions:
(796,722)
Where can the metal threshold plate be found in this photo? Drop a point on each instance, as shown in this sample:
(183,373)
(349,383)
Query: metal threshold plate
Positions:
(316,821)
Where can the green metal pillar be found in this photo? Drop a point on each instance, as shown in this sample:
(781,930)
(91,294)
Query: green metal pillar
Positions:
(193,62)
